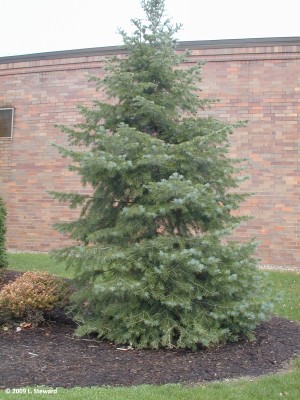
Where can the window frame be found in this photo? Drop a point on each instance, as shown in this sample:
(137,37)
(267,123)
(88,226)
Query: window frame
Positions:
(12,122)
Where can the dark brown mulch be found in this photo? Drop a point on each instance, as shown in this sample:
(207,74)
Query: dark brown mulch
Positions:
(51,355)
(7,276)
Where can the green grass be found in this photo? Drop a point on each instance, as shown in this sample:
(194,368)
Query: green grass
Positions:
(276,386)
(289,284)
(37,262)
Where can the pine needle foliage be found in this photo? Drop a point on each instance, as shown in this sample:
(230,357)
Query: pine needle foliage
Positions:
(152,266)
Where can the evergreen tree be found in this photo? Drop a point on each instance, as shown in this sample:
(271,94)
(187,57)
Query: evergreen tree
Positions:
(152,266)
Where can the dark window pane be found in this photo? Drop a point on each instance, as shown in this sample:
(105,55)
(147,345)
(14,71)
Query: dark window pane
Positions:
(6,122)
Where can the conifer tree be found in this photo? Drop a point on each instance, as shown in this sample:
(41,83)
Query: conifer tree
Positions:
(152,264)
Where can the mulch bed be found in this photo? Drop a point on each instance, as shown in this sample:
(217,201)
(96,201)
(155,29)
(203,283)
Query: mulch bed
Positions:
(51,355)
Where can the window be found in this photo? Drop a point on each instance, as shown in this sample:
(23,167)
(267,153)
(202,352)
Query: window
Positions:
(6,122)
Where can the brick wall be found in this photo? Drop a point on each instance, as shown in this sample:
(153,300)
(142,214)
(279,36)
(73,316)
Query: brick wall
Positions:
(257,80)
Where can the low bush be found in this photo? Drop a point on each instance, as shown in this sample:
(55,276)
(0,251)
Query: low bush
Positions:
(3,259)
(32,295)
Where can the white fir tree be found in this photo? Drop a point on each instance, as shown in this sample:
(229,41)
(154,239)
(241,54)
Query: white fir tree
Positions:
(152,263)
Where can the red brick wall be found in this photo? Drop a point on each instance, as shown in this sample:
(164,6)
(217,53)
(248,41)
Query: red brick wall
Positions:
(258,81)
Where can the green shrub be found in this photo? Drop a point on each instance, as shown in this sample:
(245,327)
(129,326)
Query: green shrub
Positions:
(31,295)
(3,259)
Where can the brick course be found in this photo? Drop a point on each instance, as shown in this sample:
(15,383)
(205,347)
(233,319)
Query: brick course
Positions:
(256,81)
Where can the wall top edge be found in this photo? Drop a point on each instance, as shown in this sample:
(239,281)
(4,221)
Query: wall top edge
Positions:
(191,45)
